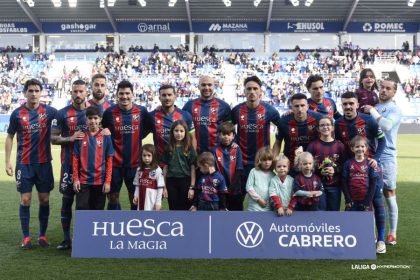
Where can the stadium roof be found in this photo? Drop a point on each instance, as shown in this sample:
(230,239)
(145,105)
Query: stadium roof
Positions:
(211,10)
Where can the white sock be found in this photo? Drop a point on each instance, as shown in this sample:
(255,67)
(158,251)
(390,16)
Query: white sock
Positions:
(392,214)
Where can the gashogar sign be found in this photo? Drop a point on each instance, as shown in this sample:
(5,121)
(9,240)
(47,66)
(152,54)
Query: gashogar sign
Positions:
(205,235)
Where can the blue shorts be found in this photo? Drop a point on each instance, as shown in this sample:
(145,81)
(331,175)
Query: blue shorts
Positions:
(389,171)
(66,180)
(120,174)
(38,174)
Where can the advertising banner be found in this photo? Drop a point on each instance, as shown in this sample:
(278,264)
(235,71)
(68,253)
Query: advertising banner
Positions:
(226,235)
(153,27)
(305,27)
(77,27)
(228,27)
(383,27)
(17,28)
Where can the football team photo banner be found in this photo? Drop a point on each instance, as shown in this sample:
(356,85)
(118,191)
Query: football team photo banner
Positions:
(226,235)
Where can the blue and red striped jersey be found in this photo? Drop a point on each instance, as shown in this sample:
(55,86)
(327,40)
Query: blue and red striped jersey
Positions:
(253,128)
(128,128)
(363,125)
(210,186)
(335,151)
(161,125)
(366,97)
(67,121)
(357,176)
(229,163)
(296,133)
(207,116)
(92,152)
(33,128)
(103,106)
(303,183)
(326,107)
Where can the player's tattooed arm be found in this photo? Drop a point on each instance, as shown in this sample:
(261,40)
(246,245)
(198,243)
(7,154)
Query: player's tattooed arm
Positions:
(57,139)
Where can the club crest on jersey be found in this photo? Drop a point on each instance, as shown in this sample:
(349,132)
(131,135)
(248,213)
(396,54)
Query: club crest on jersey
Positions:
(242,117)
(351,167)
(71,119)
(232,158)
(42,116)
(213,110)
(216,182)
(84,143)
(261,116)
(383,110)
(219,159)
(117,119)
(195,110)
(54,122)
(363,167)
(152,174)
(293,130)
(24,118)
(361,130)
(158,121)
(136,117)
(311,127)
(99,142)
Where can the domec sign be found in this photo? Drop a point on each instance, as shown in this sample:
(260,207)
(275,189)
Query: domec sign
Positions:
(383,27)
(204,235)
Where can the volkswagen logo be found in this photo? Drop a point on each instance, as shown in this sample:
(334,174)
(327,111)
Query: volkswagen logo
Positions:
(249,234)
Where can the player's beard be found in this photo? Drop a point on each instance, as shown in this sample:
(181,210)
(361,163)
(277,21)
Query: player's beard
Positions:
(98,95)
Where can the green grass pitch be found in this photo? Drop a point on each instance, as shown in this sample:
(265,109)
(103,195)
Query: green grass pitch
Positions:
(39,263)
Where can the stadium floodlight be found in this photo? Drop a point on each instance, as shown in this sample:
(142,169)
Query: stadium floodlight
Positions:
(257,2)
(227,3)
(308,3)
(56,3)
(72,3)
(111,3)
(294,2)
(411,3)
(31,3)
(142,3)
(172,3)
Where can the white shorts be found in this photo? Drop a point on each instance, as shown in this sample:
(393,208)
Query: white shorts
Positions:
(389,171)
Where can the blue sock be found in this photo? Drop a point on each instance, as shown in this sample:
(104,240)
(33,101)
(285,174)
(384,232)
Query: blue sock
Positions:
(66,215)
(113,206)
(24,216)
(43,214)
(379,210)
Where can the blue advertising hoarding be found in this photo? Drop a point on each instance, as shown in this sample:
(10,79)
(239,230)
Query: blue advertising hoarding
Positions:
(153,27)
(228,27)
(77,27)
(383,27)
(205,235)
(17,28)
(305,27)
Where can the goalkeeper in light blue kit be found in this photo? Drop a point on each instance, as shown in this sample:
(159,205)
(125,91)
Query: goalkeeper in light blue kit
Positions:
(388,116)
